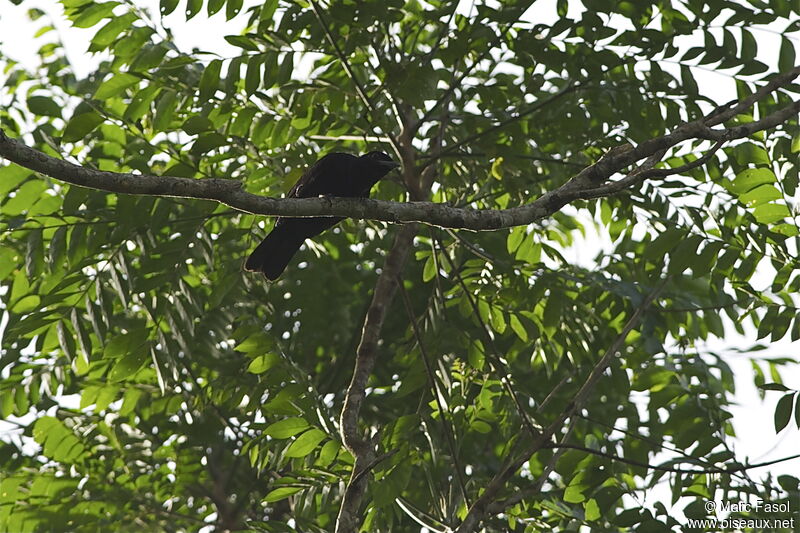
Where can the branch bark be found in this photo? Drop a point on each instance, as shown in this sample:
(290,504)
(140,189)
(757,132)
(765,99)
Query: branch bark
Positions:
(361,447)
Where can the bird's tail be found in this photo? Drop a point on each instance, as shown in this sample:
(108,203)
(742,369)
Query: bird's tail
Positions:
(274,253)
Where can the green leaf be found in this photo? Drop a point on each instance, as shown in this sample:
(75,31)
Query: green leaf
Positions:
(774,386)
(43,30)
(197,124)
(44,106)
(93,14)
(515,238)
(305,443)
(484,310)
(518,328)
(786,57)
(233,75)
(207,142)
(140,103)
(268,9)
(7,408)
(288,427)
(243,122)
(124,344)
(684,254)
(497,168)
(304,121)
(105,396)
(285,402)
(760,195)
(480,426)
(252,78)
(575,493)
(703,262)
(429,271)
(749,45)
(688,82)
(115,85)
(591,511)
(281,493)
(214,6)
(529,251)
(244,43)
(795,144)
(664,243)
(193,7)
(498,320)
(132,44)
(553,310)
(81,125)
(168,6)
(263,362)
(328,453)
(771,213)
(286,68)
(476,355)
(10,177)
(751,178)
(84,342)
(65,339)
(57,440)
(232,8)
(783,411)
(106,35)
(128,365)
(165,111)
(257,344)
(8,261)
(797,411)
(24,197)
(209,82)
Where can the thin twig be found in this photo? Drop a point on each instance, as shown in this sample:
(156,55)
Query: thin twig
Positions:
(500,369)
(362,93)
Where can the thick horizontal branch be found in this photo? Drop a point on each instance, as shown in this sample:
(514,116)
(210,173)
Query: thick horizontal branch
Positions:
(231,193)
(591,182)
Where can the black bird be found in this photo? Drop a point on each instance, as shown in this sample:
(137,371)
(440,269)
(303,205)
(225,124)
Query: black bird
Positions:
(336,174)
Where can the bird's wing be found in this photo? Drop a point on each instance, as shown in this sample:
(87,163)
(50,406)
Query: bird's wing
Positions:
(326,176)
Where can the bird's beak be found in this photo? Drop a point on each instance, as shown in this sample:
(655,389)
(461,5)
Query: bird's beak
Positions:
(389,164)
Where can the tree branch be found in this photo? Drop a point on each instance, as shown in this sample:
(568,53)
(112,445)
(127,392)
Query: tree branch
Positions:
(362,448)
(588,183)
(482,505)
(746,103)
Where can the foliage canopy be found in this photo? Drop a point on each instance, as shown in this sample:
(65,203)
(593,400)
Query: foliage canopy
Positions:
(173,391)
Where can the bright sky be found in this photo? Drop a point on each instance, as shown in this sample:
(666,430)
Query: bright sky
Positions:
(752,418)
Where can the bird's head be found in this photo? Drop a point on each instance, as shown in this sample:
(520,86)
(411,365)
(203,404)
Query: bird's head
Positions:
(381,160)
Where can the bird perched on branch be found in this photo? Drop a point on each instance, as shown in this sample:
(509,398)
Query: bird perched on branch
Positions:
(336,174)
